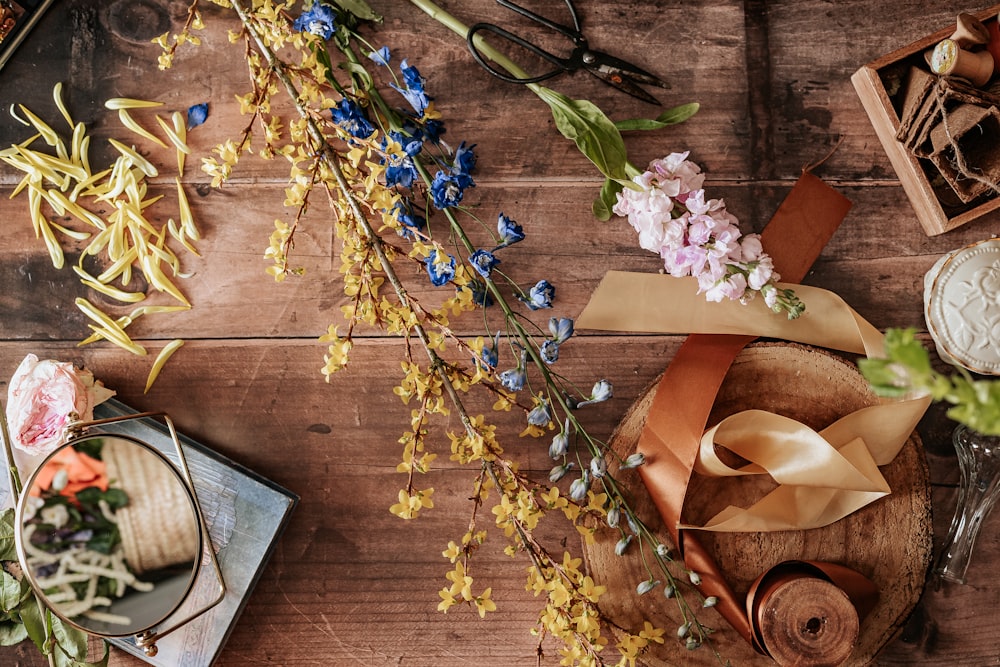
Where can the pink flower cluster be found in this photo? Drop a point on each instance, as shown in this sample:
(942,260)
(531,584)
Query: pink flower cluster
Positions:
(694,236)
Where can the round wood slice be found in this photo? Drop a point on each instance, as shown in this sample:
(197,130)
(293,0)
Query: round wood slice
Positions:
(889,540)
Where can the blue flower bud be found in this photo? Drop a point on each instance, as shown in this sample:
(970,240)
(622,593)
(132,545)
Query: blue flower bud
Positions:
(663,551)
(578,489)
(709,602)
(561,329)
(490,355)
(559,472)
(633,461)
(560,443)
(622,545)
(600,393)
(694,577)
(598,466)
(646,586)
(614,516)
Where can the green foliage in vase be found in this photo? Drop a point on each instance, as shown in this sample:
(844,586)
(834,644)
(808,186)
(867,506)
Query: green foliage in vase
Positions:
(906,370)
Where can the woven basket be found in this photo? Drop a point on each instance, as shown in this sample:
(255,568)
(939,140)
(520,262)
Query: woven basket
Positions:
(158,527)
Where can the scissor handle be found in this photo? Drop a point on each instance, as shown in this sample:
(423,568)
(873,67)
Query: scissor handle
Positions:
(573,33)
(562,64)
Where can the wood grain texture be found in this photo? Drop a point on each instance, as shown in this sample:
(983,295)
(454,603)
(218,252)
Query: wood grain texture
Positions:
(349,583)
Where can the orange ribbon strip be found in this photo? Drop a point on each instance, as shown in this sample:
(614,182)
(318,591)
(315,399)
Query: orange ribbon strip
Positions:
(678,417)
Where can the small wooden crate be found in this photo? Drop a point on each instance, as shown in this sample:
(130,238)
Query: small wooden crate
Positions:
(873,83)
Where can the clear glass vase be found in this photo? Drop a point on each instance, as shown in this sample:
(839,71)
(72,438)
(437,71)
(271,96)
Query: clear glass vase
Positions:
(979,488)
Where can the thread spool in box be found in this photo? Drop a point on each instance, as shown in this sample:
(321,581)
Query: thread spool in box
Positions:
(962,307)
(949,59)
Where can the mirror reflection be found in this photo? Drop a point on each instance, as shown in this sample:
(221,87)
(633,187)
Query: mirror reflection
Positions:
(109,535)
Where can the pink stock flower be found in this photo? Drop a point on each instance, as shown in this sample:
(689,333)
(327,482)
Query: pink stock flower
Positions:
(40,398)
(699,237)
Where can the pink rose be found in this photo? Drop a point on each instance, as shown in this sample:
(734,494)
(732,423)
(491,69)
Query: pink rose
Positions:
(41,396)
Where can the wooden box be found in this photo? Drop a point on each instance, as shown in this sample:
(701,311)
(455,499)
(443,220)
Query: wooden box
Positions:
(878,84)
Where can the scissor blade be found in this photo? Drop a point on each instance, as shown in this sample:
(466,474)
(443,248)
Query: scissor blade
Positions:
(618,81)
(609,65)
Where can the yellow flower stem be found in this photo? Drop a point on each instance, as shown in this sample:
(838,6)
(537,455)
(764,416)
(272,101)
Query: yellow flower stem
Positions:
(333,161)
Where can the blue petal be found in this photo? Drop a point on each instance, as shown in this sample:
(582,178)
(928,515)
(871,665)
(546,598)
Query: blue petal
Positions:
(380,57)
(196,115)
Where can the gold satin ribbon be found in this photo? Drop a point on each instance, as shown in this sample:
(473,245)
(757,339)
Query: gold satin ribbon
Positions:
(823,476)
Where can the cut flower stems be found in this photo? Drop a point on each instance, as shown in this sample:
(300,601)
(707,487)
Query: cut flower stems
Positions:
(396,189)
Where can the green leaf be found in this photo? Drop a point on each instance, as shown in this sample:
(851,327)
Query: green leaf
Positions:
(360,9)
(73,642)
(11,633)
(607,199)
(593,133)
(31,617)
(8,548)
(672,116)
(10,592)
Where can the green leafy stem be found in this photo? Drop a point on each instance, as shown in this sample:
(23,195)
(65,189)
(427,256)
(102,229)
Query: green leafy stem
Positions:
(906,370)
(580,121)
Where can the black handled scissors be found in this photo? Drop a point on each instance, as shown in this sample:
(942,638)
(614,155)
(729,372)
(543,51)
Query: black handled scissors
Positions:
(612,71)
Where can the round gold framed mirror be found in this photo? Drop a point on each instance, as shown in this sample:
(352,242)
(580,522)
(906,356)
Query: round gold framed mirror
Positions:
(109,535)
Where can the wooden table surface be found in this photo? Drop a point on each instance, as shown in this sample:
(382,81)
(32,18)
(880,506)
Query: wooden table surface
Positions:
(349,583)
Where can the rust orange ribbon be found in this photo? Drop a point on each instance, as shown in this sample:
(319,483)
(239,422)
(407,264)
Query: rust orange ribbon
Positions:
(678,417)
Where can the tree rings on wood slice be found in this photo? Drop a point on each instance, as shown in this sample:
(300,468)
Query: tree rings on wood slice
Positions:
(889,541)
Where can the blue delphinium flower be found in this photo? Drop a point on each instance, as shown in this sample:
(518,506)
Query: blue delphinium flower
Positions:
(400,171)
(483,262)
(540,415)
(411,144)
(549,351)
(514,378)
(403,211)
(380,57)
(561,329)
(440,271)
(600,393)
(490,354)
(352,118)
(540,295)
(320,20)
(414,91)
(446,190)
(465,162)
(433,129)
(510,232)
(196,115)
(480,295)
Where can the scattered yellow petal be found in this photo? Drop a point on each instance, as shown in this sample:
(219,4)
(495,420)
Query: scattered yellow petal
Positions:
(161,359)
(116,103)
